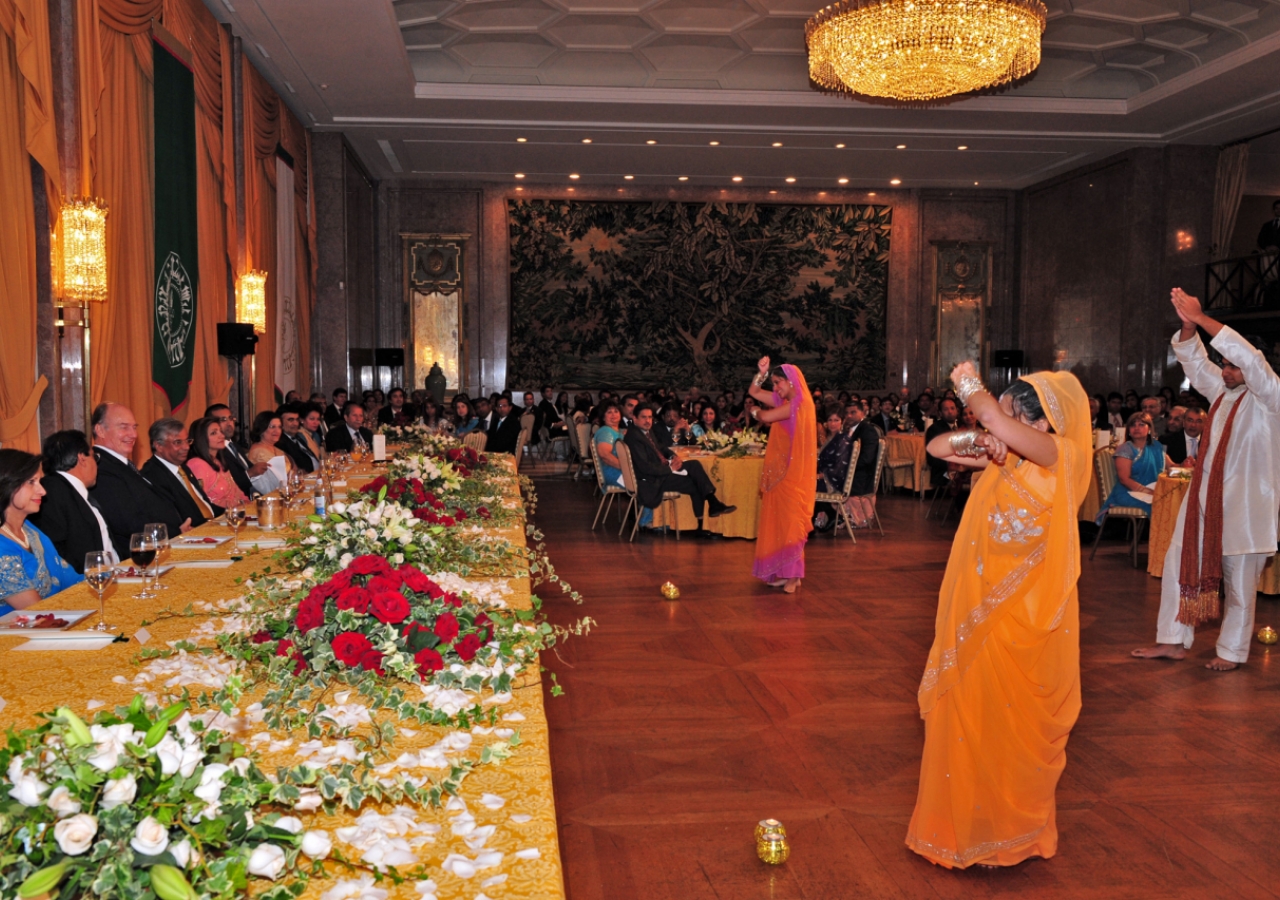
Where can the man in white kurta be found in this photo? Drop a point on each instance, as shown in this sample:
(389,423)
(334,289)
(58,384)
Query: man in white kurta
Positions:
(1251,483)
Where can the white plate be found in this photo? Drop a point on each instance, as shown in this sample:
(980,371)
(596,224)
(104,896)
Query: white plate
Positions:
(205,564)
(8,626)
(272,543)
(199,543)
(137,579)
(76,640)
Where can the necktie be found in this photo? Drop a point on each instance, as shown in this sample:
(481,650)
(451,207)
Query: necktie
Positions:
(1193,444)
(204,508)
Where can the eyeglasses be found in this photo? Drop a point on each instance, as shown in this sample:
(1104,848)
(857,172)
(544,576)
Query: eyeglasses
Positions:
(180,442)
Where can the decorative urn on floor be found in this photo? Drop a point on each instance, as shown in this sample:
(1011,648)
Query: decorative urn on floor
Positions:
(436,383)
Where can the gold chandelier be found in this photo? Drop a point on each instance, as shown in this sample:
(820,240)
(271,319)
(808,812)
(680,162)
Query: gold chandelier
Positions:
(80,252)
(251,300)
(923,49)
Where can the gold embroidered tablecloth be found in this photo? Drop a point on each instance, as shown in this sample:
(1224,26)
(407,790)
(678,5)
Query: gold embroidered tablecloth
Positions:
(32,682)
(737,482)
(907,448)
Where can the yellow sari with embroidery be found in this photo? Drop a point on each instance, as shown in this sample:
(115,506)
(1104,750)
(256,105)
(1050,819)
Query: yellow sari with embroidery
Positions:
(1001,690)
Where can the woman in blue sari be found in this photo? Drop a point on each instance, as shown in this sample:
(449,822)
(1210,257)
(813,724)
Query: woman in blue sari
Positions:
(30,567)
(1139,462)
(606,436)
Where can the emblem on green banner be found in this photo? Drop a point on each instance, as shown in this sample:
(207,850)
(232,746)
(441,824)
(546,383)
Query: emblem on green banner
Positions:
(175,309)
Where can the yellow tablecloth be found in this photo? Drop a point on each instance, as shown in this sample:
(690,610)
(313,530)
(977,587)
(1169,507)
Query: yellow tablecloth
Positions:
(1165,505)
(907,448)
(1092,503)
(32,682)
(737,483)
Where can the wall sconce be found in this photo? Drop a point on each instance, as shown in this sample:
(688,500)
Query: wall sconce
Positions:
(1185,240)
(251,300)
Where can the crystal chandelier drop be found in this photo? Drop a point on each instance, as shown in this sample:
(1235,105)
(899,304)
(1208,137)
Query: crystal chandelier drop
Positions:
(251,300)
(923,49)
(80,252)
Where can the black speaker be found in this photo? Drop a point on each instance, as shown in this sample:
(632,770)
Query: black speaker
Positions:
(1007,359)
(236,339)
(389,356)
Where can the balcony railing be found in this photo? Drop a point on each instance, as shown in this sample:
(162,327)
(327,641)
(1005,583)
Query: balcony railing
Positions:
(1244,284)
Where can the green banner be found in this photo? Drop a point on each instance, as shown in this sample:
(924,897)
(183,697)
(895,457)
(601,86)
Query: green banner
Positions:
(177,260)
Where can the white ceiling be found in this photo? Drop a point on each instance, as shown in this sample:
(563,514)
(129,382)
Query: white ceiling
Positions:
(443,89)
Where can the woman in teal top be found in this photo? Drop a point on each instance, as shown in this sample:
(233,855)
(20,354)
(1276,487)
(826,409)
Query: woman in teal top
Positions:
(1139,462)
(708,421)
(30,567)
(605,437)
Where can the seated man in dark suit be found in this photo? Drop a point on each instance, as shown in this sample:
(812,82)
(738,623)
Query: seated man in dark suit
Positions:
(350,432)
(504,430)
(551,417)
(658,472)
(67,516)
(168,473)
(1183,447)
(291,440)
(333,412)
(126,499)
(949,415)
(396,412)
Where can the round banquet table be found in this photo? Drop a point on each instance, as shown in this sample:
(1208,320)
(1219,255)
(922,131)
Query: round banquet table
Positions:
(906,448)
(737,482)
(1165,504)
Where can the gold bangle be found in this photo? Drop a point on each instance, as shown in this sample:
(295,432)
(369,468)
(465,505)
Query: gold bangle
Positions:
(758,381)
(967,386)
(963,443)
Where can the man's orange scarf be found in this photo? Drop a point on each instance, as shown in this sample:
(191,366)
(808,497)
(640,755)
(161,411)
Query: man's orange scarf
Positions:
(1200,578)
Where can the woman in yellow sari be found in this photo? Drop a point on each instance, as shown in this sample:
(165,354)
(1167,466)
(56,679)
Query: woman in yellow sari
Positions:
(790,476)
(1001,690)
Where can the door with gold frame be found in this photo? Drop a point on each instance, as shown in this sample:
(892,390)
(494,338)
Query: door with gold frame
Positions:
(433,265)
(962,293)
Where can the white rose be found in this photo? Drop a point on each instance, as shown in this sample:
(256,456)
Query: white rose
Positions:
(184,854)
(371,534)
(309,801)
(210,788)
(291,824)
(74,835)
(150,838)
(110,741)
(62,803)
(27,789)
(397,559)
(317,844)
(241,764)
(312,540)
(119,792)
(343,528)
(266,861)
(192,756)
(345,560)
(169,752)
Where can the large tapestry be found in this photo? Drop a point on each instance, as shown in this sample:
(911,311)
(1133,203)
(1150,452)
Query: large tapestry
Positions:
(631,294)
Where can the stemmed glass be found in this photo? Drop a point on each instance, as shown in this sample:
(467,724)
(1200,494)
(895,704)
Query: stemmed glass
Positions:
(100,572)
(295,486)
(143,547)
(160,532)
(235,516)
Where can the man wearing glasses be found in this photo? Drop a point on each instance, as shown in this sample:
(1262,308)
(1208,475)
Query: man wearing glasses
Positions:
(251,478)
(168,473)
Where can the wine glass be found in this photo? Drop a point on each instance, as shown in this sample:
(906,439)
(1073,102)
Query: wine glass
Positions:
(143,548)
(295,485)
(357,454)
(235,516)
(100,572)
(160,532)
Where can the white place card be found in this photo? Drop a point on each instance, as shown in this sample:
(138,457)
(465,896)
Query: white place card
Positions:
(379,447)
(142,635)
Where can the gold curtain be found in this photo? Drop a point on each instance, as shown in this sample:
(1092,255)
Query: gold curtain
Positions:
(261,136)
(27,23)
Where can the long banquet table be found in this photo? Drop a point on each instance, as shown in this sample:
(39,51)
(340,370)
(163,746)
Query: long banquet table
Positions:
(32,682)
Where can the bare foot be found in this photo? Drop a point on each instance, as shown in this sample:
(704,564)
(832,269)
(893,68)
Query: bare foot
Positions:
(791,586)
(778,583)
(1218,664)
(1161,651)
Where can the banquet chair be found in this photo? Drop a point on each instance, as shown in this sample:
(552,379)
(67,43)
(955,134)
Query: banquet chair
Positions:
(585,459)
(475,440)
(629,479)
(880,461)
(1105,461)
(607,491)
(894,465)
(840,498)
(521,443)
(549,443)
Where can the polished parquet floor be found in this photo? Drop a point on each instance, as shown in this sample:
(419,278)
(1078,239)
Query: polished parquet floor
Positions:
(684,723)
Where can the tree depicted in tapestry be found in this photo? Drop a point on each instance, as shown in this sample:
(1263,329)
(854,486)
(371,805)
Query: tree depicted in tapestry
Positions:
(629,294)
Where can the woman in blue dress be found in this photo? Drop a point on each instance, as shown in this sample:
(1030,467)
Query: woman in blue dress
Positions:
(465,419)
(605,438)
(1139,462)
(708,421)
(30,567)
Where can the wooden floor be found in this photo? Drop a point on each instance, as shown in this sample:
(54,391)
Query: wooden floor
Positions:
(685,723)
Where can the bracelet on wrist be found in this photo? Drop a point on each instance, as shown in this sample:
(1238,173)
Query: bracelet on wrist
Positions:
(758,381)
(967,386)
(964,443)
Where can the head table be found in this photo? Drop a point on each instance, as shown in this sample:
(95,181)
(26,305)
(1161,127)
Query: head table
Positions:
(31,682)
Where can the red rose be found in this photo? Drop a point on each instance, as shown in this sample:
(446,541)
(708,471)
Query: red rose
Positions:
(354,598)
(483,512)
(387,581)
(322,592)
(310,615)
(412,628)
(374,486)
(447,521)
(485,624)
(260,637)
(390,607)
(467,647)
(453,600)
(446,627)
(415,579)
(350,646)
(369,564)
(371,661)
(284,647)
(459,513)
(339,581)
(428,661)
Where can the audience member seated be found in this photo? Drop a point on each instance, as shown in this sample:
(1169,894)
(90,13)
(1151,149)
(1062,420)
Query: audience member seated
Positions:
(251,478)
(659,471)
(265,435)
(333,412)
(66,516)
(207,462)
(431,415)
(969,419)
(671,428)
(1097,403)
(126,499)
(485,413)
(504,431)
(1117,415)
(293,397)
(949,416)
(708,421)
(1175,423)
(465,419)
(606,436)
(312,431)
(887,420)
(1139,462)
(550,414)
(833,465)
(168,473)
(291,443)
(396,413)
(1182,448)
(350,434)
(862,497)
(1154,408)
(30,567)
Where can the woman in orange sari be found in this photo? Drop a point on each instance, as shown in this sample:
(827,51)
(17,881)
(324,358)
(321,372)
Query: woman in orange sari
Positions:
(1001,690)
(790,476)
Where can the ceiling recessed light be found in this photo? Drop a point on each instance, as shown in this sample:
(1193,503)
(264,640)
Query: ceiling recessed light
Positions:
(773,192)
(324,87)
(839,146)
(902,146)
(822,193)
(777,143)
(683,178)
(842,180)
(586,140)
(871,193)
(622,190)
(791,180)
(521,140)
(570,190)
(963,147)
(519,189)
(737,177)
(651,142)
(629,177)
(519,174)
(895,181)
(975,184)
(575,176)
(715,143)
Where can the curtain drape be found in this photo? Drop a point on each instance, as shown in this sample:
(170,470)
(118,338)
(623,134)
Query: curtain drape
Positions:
(27,23)
(261,136)
(1233,166)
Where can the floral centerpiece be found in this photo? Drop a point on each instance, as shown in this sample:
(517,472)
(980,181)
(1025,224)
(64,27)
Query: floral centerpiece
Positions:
(747,442)
(424,438)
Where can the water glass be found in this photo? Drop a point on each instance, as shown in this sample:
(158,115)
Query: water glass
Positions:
(160,532)
(100,572)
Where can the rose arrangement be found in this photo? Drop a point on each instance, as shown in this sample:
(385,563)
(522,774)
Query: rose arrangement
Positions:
(420,437)
(425,505)
(151,803)
(744,443)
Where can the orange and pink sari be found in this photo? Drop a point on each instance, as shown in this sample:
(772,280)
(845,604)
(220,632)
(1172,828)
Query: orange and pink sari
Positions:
(1001,690)
(787,486)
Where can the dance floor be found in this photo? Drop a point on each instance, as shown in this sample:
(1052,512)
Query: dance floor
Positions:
(685,723)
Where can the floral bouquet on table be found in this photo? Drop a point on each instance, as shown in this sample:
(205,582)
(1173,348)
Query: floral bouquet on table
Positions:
(422,438)
(153,803)
(747,442)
